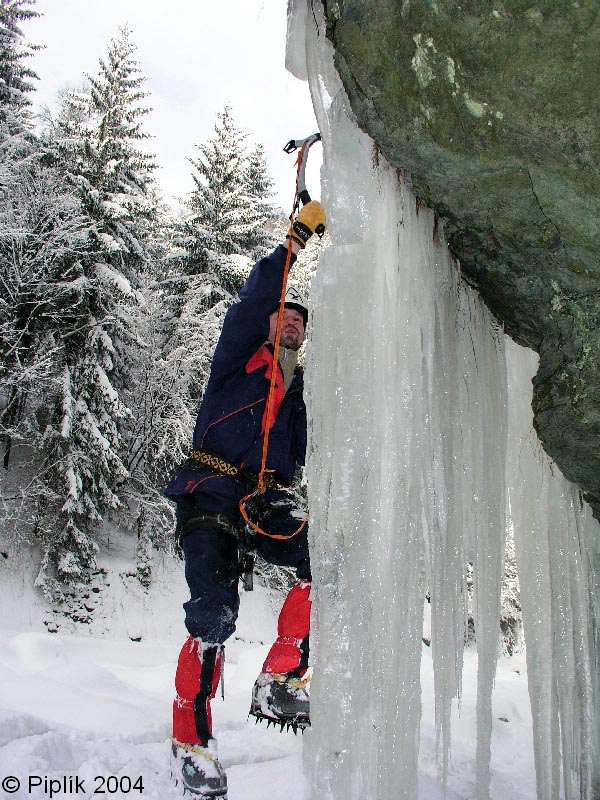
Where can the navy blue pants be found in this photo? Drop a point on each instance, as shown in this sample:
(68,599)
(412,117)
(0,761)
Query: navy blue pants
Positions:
(211,558)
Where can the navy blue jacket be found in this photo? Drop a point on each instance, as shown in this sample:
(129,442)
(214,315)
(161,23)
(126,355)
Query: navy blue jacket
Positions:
(230,420)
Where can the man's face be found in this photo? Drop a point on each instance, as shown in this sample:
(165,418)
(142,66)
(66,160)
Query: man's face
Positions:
(292,328)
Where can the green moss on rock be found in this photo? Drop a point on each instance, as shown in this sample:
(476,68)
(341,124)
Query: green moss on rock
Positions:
(493,108)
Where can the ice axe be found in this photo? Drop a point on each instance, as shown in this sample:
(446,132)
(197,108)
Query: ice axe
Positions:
(302,195)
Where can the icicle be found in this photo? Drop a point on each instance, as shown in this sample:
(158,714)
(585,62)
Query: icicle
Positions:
(557,544)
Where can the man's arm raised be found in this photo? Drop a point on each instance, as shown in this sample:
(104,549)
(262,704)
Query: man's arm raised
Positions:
(246,325)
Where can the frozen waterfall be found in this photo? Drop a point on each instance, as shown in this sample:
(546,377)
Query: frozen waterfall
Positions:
(422,454)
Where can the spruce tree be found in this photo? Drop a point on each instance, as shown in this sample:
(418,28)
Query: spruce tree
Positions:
(97,136)
(43,235)
(259,187)
(219,203)
(15,74)
(95,141)
(226,210)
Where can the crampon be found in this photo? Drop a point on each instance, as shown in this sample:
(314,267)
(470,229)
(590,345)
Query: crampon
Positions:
(282,699)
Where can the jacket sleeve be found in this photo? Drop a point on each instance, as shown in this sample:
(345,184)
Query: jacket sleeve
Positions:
(246,324)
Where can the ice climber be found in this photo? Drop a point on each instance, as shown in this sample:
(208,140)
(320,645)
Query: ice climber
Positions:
(220,470)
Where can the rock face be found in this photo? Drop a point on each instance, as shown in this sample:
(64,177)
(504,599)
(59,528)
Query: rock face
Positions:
(493,108)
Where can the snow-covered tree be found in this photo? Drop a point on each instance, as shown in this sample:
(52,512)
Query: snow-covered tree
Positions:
(43,235)
(95,142)
(157,432)
(258,181)
(98,135)
(46,374)
(15,74)
(260,189)
(219,204)
(227,210)
(17,142)
(511,620)
(84,445)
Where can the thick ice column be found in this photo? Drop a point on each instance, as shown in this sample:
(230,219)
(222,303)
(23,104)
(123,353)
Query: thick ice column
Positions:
(528,487)
(479,454)
(365,496)
(406,391)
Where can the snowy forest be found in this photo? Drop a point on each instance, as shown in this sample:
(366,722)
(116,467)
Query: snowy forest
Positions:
(111,302)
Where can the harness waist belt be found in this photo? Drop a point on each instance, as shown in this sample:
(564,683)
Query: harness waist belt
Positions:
(214,462)
(224,467)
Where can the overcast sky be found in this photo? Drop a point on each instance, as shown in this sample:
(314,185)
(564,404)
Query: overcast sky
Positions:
(197,56)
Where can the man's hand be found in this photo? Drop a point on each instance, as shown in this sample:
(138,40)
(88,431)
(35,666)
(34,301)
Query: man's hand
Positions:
(310,219)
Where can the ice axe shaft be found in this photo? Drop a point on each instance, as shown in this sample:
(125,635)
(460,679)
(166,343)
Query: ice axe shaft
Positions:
(302,195)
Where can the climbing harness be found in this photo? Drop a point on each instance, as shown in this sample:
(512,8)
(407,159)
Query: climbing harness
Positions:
(301,195)
(220,522)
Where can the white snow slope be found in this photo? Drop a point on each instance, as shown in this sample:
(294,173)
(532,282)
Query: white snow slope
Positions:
(88,703)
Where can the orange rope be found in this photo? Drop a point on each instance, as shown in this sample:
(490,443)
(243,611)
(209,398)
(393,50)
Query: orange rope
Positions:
(261,488)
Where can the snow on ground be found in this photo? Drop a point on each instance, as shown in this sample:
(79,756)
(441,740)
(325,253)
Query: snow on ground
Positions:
(95,708)
(88,703)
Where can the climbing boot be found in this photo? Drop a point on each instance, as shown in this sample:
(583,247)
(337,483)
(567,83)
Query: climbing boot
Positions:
(197,770)
(282,699)
(194,763)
